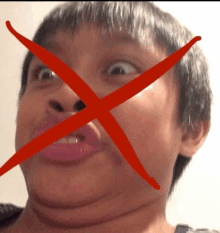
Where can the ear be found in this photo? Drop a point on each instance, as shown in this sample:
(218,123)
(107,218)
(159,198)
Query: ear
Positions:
(193,139)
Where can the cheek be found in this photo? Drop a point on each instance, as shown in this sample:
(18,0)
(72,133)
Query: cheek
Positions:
(141,116)
(20,127)
(140,122)
(150,127)
(26,117)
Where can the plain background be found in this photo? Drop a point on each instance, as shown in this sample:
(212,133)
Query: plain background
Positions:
(196,200)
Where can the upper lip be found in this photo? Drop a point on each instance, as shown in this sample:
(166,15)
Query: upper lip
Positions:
(88,132)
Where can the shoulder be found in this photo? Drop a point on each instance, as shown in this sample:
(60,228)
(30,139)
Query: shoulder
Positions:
(9,214)
(182,228)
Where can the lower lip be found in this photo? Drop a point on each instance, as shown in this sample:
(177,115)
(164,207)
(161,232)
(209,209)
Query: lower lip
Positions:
(66,152)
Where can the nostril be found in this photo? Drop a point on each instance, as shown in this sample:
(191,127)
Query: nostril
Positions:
(79,106)
(57,106)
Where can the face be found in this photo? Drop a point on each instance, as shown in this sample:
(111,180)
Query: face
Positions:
(104,180)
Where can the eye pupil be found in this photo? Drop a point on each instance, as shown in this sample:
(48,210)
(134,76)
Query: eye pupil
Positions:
(118,70)
(45,74)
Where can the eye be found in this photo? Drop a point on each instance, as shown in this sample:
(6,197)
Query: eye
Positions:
(44,74)
(120,68)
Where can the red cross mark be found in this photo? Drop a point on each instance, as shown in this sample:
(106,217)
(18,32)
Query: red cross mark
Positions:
(96,108)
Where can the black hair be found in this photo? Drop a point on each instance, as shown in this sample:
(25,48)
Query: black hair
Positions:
(141,19)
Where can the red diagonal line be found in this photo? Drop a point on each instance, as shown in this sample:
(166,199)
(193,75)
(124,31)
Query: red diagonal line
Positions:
(124,150)
(37,51)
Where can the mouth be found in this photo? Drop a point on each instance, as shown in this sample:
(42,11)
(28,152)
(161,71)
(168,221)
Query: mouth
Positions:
(68,150)
(75,146)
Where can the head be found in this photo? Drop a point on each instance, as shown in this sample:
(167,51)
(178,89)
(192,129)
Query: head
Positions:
(157,33)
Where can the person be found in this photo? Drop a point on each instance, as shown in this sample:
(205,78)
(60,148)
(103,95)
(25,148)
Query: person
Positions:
(109,44)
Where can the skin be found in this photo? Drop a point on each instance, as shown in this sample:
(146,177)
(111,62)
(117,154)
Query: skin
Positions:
(103,193)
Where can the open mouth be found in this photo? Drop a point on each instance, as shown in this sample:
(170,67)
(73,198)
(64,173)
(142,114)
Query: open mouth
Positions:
(70,139)
(75,146)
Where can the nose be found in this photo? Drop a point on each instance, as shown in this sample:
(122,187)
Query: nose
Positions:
(65,101)
(57,106)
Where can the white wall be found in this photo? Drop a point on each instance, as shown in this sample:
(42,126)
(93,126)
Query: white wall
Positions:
(196,200)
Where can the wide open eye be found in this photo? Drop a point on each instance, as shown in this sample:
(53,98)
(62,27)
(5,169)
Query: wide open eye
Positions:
(44,74)
(120,68)
(120,72)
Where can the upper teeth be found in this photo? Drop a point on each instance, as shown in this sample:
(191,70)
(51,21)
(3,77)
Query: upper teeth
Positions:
(69,140)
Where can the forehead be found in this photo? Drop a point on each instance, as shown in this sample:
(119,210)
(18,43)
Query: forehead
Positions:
(91,33)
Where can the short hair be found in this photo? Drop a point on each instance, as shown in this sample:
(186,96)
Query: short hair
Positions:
(138,19)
